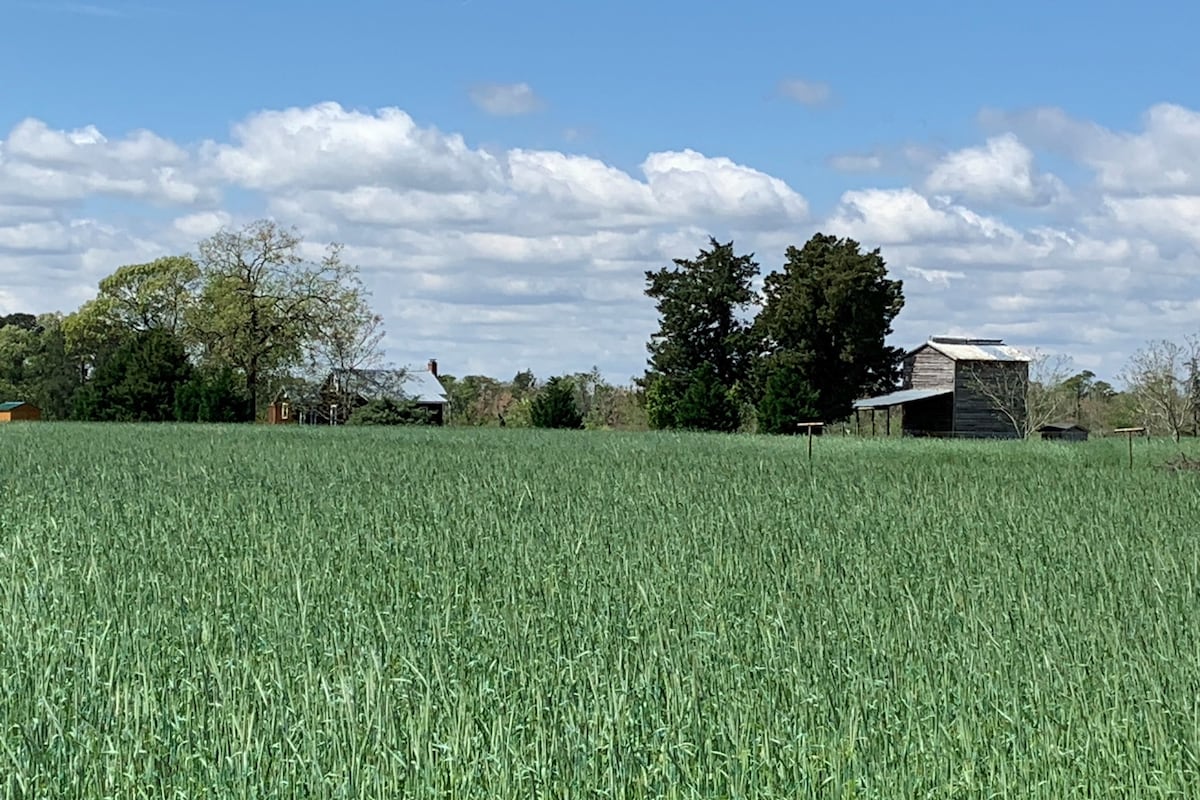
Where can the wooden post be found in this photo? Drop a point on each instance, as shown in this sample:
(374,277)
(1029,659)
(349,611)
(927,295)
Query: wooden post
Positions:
(1130,432)
(810,426)
(889,420)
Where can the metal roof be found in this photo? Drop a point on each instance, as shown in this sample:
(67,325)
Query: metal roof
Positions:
(1062,426)
(900,398)
(420,385)
(10,405)
(963,349)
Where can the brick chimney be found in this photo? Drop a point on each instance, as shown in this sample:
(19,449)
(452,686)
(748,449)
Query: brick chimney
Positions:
(433,366)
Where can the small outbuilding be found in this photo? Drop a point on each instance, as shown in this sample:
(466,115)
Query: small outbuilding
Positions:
(1064,431)
(19,411)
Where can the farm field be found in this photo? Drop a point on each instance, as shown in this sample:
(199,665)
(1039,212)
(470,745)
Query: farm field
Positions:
(317,613)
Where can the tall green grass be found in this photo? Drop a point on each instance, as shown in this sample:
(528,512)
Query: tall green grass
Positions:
(318,613)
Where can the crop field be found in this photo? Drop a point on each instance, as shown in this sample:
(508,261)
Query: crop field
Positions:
(203,612)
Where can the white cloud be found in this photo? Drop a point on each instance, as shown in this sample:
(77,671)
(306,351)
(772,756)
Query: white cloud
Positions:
(937,277)
(505,99)
(1001,171)
(1163,157)
(42,165)
(805,92)
(495,260)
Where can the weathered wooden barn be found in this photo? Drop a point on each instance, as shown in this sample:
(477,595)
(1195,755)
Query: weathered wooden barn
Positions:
(1064,431)
(343,390)
(19,411)
(959,387)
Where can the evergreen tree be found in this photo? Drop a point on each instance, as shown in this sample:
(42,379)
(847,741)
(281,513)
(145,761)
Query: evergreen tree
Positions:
(705,404)
(787,398)
(138,381)
(701,304)
(830,311)
(555,406)
(212,395)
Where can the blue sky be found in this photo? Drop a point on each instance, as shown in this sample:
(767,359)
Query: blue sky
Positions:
(906,85)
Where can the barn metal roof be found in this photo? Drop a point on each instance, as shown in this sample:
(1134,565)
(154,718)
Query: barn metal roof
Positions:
(425,386)
(420,385)
(10,405)
(900,398)
(975,349)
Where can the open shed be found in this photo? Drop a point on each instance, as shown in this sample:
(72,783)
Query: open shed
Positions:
(1064,431)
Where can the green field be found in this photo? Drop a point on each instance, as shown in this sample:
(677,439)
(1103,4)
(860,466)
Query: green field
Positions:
(315,612)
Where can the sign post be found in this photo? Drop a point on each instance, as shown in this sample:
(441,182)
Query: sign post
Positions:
(809,426)
(1130,432)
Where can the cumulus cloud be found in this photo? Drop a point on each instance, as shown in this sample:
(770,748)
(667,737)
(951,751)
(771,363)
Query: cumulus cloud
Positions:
(1000,171)
(805,92)
(42,165)
(1164,156)
(505,99)
(495,260)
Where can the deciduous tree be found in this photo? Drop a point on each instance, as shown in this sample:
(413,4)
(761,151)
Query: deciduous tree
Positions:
(1029,397)
(1158,377)
(262,306)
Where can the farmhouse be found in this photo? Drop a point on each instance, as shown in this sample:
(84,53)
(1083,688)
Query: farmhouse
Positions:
(343,390)
(19,411)
(959,387)
(1064,431)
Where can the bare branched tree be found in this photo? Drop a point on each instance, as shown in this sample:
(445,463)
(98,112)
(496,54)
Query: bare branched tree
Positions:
(1159,377)
(1028,397)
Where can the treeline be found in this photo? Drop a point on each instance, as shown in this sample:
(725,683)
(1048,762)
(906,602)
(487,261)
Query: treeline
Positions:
(729,357)
(211,337)
(194,338)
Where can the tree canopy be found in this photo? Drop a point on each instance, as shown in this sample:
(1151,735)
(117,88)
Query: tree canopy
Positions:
(829,312)
(703,336)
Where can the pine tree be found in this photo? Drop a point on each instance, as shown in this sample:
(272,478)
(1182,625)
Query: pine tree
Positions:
(555,406)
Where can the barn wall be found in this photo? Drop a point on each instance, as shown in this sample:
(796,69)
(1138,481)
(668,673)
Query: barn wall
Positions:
(25,413)
(928,369)
(981,388)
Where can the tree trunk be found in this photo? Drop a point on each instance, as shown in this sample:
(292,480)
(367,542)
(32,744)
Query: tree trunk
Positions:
(252,389)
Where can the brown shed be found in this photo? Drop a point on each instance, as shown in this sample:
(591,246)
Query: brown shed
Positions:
(19,411)
(960,387)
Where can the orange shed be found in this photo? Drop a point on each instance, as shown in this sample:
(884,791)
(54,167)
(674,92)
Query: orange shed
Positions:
(18,411)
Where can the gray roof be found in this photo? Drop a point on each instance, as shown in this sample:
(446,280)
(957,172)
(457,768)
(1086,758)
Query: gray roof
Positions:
(900,398)
(964,349)
(1062,426)
(11,405)
(419,385)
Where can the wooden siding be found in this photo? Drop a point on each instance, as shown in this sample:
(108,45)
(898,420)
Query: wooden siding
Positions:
(25,413)
(928,369)
(980,387)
